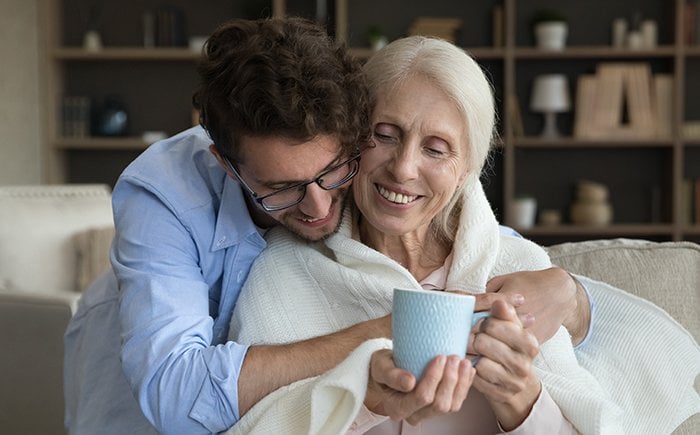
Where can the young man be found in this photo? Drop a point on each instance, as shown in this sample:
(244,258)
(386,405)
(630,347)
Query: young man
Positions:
(285,112)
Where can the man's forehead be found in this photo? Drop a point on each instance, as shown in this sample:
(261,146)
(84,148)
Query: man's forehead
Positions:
(280,158)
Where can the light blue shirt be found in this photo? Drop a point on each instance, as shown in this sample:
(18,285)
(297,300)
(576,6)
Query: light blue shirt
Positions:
(184,245)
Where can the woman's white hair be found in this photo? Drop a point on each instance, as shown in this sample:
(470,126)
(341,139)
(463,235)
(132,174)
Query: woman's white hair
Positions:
(454,72)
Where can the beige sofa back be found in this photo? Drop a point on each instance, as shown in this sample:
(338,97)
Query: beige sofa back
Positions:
(39,227)
(667,274)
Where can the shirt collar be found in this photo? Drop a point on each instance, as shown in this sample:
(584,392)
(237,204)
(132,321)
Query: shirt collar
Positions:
(233,221)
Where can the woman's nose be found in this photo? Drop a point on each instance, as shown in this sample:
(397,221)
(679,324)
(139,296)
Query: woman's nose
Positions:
(317,201)
(404,164)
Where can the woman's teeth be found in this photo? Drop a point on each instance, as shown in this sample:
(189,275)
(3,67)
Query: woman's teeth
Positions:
(398,198)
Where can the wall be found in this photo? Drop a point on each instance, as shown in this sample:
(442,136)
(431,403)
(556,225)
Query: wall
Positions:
(20,127)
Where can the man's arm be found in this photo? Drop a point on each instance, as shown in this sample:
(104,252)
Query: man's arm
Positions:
(267,368)
(552,296)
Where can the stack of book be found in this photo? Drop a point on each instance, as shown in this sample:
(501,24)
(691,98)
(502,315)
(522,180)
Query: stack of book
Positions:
(444,28)
(76,116)
(623,101)
(164,27)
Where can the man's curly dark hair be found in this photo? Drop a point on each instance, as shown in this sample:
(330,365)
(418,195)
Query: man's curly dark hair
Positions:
(280,77)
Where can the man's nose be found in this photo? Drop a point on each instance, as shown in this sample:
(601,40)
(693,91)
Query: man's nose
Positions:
(317,201)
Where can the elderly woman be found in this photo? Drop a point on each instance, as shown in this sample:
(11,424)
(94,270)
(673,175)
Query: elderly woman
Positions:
(421,219)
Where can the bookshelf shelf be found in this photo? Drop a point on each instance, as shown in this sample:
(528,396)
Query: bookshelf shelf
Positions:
(572,142)
(100,143)
(125,54)
(617,230)
(592,52)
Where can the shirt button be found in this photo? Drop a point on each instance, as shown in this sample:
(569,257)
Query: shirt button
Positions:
(239,277)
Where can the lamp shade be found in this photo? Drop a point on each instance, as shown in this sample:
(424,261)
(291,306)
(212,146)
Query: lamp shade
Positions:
(550,93)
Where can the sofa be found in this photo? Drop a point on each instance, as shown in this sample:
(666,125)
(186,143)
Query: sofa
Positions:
(55,239)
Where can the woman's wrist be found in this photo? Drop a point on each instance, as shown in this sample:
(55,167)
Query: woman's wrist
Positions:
(515,411)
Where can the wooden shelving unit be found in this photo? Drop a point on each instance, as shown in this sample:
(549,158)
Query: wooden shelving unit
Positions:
(529,164)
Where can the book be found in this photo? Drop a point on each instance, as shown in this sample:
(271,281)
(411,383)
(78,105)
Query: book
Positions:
(686,202)
(697,201)
(641,115)
(609,99)
(516,116)
(586,89)
(498,35)
(663,96)
(444,28)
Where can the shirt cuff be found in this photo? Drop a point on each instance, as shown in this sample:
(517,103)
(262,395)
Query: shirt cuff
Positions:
(545,417)
(592,306)
(365,420)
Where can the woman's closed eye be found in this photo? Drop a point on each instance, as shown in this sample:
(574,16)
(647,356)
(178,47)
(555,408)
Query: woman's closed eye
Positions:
(385,138)
(436,148)
(386,133)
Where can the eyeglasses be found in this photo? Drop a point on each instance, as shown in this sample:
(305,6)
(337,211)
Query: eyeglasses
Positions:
(330,179)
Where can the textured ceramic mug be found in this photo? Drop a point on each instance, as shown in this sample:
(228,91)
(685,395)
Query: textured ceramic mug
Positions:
(426,324)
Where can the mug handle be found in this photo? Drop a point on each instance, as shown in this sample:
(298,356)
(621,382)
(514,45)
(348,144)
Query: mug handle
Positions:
(478,316)
(475,319)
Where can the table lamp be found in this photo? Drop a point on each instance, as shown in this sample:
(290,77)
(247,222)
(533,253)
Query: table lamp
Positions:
(550,95)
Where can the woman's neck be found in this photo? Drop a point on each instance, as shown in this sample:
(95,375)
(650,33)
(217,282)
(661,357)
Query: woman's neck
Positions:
(419,251)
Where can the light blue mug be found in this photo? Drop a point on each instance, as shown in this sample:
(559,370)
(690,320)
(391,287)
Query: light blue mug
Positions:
(425,324)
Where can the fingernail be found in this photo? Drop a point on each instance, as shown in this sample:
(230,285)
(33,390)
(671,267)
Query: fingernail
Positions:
(406,383)
(518,299)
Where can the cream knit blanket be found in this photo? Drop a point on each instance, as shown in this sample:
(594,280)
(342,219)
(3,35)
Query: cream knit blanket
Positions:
(298,290)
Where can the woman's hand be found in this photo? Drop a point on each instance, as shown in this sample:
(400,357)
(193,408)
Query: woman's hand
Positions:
(394,392)
(504,371)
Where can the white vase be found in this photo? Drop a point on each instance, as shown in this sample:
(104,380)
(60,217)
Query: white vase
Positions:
(92,41)
(523,212)
(551,35)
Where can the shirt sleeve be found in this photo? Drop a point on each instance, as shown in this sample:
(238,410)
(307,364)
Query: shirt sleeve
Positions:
(511,232)
(508,231)
(545,417)
(182,382)
(591,303)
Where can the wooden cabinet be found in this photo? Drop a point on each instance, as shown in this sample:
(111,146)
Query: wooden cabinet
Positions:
(645,177)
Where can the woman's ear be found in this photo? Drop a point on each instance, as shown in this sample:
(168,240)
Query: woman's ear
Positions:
(462,177)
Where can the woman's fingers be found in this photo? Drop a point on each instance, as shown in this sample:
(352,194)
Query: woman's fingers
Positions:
(450,392)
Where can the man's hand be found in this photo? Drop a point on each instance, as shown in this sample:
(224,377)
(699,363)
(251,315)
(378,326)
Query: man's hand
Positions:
(394,392)
(551,298)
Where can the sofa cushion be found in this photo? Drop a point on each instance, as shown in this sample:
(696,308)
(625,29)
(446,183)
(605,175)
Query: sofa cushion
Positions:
(667,273)
(37,229)
(92,247)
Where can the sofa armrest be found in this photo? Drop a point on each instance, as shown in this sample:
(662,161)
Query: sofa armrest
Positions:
(667,274)
(31,361)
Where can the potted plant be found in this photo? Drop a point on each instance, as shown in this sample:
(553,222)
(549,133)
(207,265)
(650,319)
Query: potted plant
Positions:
(551,29)
(376,37)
